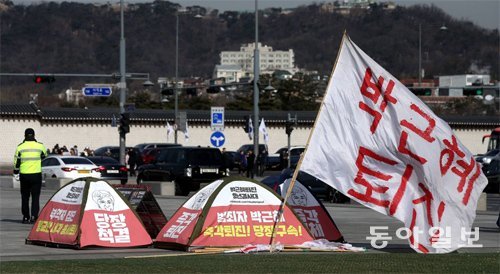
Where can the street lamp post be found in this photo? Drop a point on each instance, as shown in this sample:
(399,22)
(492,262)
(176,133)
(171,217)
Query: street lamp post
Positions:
(123,84)
(256,68)
(176,93)
(442,28)
(419,55)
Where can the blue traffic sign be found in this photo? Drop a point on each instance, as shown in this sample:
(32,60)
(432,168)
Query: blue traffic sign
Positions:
(97,91)
(217,139)
(217,118)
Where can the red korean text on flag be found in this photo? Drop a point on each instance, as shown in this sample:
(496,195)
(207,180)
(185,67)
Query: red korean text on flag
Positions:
(379,144)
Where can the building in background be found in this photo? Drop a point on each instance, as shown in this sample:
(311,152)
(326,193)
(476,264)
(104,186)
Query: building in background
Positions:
(269,59)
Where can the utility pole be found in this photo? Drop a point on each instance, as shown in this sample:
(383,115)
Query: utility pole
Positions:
(256,71)
(290,123)
(176,95)
(123,84)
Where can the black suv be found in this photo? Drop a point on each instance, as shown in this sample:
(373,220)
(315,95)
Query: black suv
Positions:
(113,152)
(187,166)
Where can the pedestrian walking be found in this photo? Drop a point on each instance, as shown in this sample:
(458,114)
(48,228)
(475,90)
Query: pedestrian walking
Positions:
(28,170)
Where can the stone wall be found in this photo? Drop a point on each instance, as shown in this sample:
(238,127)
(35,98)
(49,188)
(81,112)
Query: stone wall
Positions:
(95,135)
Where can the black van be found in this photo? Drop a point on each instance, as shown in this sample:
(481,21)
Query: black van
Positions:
(187,166)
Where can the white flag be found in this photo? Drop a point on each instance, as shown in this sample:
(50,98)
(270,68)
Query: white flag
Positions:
(263,130)
(250,128)
(170,130)
(380,145)
(186,133)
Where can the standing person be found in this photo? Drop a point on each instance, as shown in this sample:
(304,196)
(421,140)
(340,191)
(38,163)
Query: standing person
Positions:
(262,160)
(132,161)
(250,164)
(243,163)
(226,161)
(28,169)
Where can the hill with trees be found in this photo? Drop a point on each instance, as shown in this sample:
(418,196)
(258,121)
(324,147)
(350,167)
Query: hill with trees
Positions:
(71,37)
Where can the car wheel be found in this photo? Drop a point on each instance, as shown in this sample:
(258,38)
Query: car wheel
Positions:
(124,181)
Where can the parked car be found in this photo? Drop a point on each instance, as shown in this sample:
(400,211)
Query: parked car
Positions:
(490,164)
(246,148)
(317,187)
(231,159)
(188,167)
(144,146)
(114,152)
(110,168)
(485,159)
(71,167)
(279,160)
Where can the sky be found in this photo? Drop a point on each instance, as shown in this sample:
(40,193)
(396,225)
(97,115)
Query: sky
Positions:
(484,13)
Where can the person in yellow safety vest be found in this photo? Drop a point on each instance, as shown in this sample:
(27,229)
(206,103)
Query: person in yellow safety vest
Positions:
(28,169)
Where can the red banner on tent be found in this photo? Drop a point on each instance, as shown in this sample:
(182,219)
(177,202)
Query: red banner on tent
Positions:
(59,224)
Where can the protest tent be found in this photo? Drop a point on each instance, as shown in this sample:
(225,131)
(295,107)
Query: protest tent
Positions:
(88,212)
(306,206)
(232,212)
(142,200)
(311,212)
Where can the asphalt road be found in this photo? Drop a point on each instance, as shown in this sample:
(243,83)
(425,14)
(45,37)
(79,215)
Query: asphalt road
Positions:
(353,220)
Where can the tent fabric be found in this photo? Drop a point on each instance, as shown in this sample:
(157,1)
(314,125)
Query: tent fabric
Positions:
(88,212)
(311,212)
(234,211)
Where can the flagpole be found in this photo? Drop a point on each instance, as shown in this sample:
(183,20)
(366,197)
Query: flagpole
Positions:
(297,168)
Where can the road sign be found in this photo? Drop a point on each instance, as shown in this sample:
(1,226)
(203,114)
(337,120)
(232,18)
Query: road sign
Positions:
(217,139)
(97,91)
(217,118)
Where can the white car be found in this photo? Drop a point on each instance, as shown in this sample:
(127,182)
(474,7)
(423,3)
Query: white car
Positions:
(70,167)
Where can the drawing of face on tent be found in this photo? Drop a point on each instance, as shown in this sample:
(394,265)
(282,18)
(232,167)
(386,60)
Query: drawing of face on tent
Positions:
(299,196)
(106,220)
(236,212)
(311,212)
(104,200)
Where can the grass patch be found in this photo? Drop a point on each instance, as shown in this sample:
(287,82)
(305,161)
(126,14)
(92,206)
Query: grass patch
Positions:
(271,263)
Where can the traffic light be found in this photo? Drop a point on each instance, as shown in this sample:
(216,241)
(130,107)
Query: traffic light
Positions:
(246,127)
(289,127)
(124,127)
(473,91)
(43,79)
